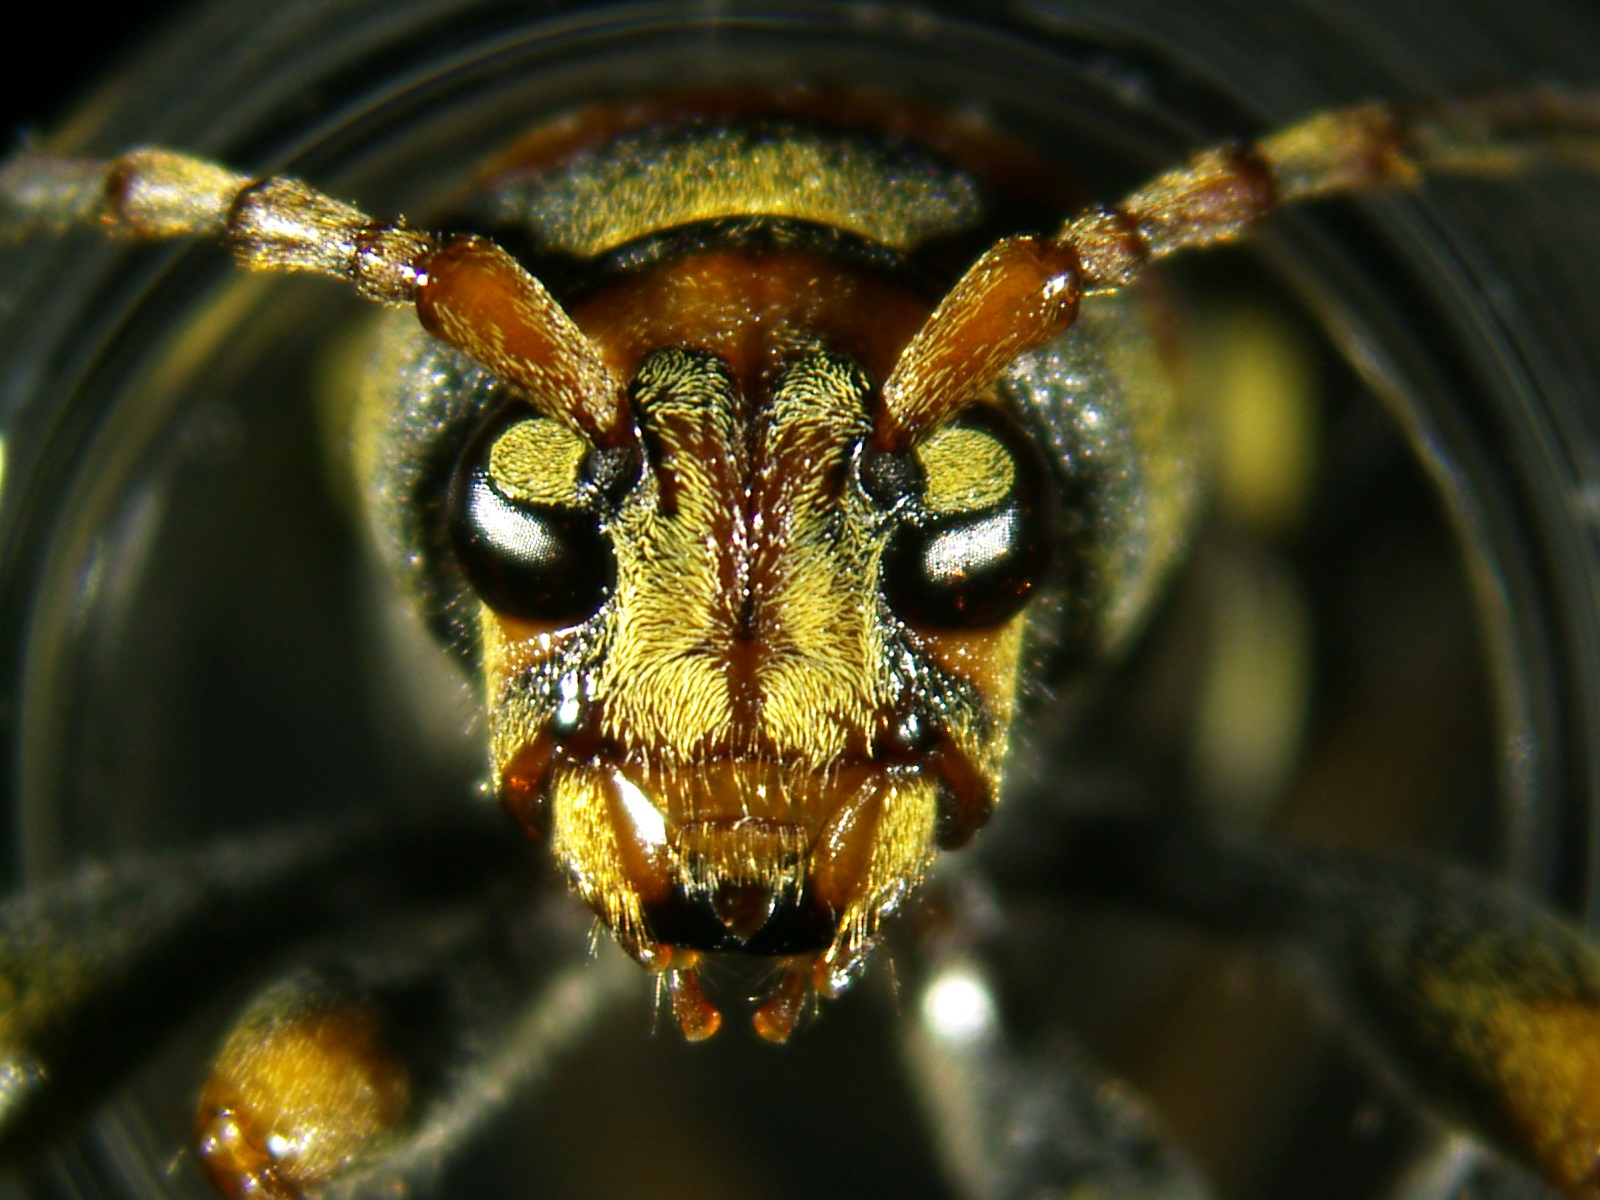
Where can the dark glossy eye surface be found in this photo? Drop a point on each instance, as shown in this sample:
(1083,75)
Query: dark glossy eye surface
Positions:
(526,541)
(977,541)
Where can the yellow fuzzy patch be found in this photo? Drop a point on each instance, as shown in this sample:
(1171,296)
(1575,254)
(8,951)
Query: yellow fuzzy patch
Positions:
(966,470)
(536,461)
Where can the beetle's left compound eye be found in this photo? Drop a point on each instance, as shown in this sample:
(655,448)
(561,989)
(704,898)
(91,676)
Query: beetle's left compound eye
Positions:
(526,536)
(976,542)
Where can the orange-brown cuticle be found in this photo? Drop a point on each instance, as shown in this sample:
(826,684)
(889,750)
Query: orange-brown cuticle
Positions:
(641,835)
(1028,296)
(775,1020)
(1060,285)
(524,790)
(844,848)
(915,741)
(966,796)
(478,298)
(698,1019)
(1020,295)
(234,1155)
(745,306)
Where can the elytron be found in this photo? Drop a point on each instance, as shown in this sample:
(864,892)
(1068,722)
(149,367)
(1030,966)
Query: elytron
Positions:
(755,491)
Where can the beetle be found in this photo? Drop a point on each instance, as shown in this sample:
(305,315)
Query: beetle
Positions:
(904,452)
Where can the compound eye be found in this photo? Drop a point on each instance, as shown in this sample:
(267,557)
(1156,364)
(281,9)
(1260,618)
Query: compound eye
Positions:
(971,553)
(526,538)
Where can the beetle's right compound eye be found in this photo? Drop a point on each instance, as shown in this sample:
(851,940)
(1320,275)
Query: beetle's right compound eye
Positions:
(974,543)
(527,538)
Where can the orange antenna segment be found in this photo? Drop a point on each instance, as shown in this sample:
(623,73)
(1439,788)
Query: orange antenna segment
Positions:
(477,297)
(1024,292)
(468,291)
(1020,294)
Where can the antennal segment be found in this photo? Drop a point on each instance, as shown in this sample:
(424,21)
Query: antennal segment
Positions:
(1024,292)
(467,292)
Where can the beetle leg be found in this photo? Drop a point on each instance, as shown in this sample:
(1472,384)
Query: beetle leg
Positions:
(96,968)
(1476,998)
(1014,1123)
(361,1076)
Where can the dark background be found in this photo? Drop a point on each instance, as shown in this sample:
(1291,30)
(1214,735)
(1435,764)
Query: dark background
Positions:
(64,52)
